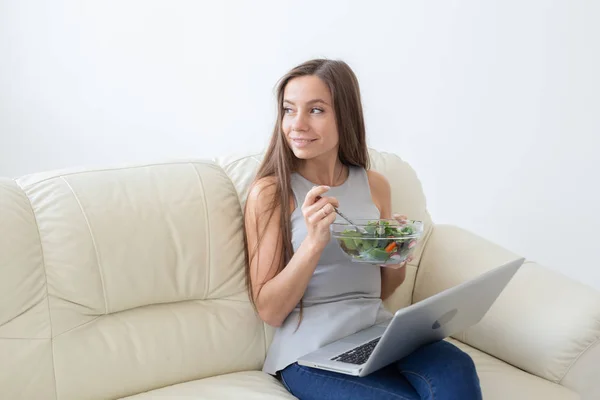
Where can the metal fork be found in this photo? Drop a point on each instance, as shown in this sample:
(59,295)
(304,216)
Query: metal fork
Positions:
(338,212)
(358,229)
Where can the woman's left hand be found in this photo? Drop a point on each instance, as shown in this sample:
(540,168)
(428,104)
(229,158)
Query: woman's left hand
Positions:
(401,218)
(398,266)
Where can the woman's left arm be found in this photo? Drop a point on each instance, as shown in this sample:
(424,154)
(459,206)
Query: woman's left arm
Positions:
(392,276)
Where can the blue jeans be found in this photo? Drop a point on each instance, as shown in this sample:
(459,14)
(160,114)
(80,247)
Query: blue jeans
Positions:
(438,371)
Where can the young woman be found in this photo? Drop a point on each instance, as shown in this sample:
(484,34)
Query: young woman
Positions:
(297,277)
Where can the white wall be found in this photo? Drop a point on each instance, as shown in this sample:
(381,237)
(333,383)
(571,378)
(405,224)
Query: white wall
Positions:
(495,103)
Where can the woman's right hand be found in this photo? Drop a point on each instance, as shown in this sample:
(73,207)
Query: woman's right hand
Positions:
(319,214)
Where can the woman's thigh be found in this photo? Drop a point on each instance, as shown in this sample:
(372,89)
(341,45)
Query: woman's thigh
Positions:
(441,371)
(310,383)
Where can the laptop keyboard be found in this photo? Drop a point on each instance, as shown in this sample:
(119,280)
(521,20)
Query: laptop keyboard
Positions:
(358,355)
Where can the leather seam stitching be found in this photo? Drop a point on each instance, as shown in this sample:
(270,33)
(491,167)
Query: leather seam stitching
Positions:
(591,345)
(92,170)
(208,249)
(80,325)
(237,160)
(87,222)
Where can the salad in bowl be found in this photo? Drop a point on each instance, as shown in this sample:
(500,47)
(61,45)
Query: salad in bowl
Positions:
(380,241)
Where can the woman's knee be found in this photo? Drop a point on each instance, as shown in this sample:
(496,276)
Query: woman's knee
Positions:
(466,375)
(464,362)
(454,358)
(459,357)
(442,368)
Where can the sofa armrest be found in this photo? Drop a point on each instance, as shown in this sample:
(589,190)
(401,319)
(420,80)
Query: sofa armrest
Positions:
(543,322)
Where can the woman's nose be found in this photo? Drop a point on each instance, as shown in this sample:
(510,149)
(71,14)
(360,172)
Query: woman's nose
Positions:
(299,123)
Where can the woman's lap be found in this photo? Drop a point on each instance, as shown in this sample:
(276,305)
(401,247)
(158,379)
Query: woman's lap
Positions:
(438,371)
(441,371)
(310,383)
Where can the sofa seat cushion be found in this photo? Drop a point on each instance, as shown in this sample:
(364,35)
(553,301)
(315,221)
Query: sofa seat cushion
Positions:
(501,381)
(247,385)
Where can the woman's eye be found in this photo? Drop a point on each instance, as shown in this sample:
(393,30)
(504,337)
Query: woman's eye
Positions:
(315,110)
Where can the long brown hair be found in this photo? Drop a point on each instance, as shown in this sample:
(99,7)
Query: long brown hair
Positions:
(279,161)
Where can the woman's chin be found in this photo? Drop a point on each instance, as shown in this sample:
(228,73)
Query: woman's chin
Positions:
(302,154)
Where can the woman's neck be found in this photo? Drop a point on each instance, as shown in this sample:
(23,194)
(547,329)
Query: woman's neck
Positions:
(329,173)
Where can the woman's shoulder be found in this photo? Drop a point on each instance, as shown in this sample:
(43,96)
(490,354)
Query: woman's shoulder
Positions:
(261,192)
(263,183)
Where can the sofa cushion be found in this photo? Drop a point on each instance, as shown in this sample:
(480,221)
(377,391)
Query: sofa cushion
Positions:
(145,280)
(501,381)
(249,385)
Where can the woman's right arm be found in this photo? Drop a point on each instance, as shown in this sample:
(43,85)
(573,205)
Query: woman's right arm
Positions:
(277,294)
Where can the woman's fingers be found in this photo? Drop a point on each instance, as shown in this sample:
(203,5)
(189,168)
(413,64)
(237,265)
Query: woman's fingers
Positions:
(314,194)
(398,266)
(400,218)
(316,214)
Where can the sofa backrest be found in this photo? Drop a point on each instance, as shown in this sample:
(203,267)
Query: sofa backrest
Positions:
(118,281)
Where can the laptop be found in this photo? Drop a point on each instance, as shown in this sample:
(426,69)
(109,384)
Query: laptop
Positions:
(435,318)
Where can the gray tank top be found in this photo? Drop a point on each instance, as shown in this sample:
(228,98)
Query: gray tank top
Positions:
(342,297)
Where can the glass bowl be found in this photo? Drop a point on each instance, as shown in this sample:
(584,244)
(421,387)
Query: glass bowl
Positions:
(380,241)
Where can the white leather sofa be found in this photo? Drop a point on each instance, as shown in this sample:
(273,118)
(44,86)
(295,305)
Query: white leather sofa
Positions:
(129,283)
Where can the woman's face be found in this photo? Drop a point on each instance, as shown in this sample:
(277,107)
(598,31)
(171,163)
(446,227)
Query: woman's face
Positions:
(309,119)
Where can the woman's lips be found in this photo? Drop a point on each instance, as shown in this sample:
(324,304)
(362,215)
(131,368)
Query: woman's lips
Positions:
(302,142)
